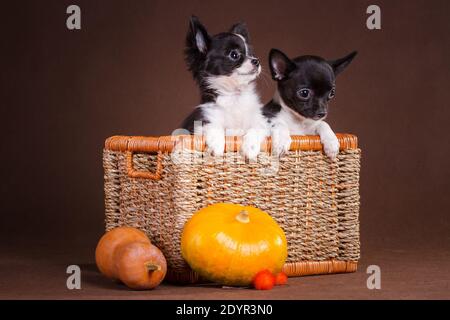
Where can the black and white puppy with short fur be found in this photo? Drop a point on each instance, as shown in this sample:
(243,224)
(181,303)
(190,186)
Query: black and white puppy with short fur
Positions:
(225,69)
(305,85)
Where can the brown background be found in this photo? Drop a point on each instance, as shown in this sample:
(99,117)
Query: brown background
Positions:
(64,92)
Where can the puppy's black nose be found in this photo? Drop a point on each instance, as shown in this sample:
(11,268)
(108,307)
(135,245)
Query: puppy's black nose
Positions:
(255,62)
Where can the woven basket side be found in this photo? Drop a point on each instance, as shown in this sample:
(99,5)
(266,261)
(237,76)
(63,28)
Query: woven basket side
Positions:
(111,188)
(301,198)
(149,204)
(315,200)
(348,204)
(186,195)
(300,195)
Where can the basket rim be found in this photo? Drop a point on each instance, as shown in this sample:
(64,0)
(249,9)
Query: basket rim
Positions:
(291,269)
(233,143)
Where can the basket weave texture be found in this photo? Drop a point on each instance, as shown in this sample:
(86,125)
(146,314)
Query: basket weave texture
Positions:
(157,183)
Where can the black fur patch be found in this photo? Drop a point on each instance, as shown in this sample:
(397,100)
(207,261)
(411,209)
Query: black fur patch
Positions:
(271,109)
(195,115)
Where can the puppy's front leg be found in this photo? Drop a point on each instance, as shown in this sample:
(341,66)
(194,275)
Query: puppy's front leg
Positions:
(281,138)
(215,139)
(329,140)
(251,144)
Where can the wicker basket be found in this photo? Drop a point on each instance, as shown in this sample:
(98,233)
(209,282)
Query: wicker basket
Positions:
(157,183)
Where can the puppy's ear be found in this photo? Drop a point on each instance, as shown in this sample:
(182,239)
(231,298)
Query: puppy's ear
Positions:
(241,29)
(197,37)
(280,64)
(340,64)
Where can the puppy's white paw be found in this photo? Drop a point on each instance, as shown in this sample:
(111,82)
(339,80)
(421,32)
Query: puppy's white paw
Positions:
(281,141)
(331,146)
(215,142)
(251,144)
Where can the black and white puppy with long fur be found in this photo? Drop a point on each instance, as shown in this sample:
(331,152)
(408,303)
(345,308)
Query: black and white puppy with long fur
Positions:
(225,69)
(305,85)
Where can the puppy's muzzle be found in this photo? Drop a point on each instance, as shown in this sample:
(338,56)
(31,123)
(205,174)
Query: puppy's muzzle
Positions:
(320,115)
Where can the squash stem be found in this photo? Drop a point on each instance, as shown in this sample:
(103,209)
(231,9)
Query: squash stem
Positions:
(243,217)
(152,267)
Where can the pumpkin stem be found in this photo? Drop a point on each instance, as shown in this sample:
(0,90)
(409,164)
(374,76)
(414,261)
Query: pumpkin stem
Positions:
(243,217)
(152,267)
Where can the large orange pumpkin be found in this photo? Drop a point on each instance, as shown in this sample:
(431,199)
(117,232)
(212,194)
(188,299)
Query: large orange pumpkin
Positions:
(230,243)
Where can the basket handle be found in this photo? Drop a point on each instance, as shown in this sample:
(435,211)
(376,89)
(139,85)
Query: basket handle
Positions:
(133,173)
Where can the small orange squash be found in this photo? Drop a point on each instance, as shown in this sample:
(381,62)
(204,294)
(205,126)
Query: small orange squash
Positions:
(140,265)
(106,247)
(229,243)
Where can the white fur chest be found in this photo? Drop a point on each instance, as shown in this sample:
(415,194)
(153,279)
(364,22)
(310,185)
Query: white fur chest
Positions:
(297,124)
(235,112)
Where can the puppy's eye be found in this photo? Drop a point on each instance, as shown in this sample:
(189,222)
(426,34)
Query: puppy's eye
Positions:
(332,94)
(234,55)
(304,94)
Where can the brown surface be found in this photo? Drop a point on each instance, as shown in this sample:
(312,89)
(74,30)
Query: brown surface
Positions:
(419,273)
(64,92)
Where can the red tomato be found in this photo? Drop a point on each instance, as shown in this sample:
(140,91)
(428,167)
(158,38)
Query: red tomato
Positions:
(281,278)
(264,280)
